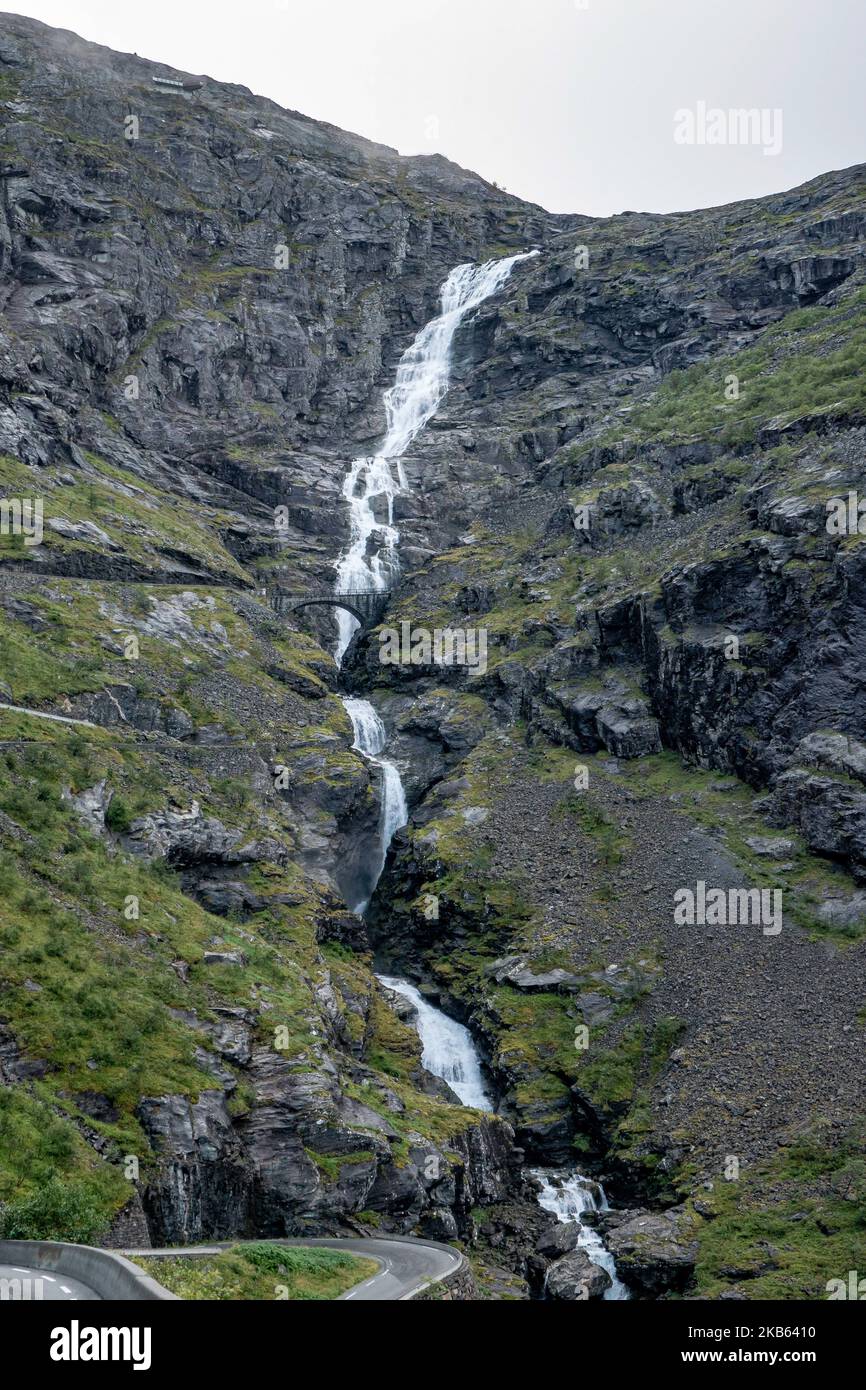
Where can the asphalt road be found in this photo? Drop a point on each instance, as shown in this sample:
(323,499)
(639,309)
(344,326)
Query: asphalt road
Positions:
(405,1266)
(18,1282)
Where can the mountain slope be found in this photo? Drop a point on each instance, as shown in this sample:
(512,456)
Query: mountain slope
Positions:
(626,488)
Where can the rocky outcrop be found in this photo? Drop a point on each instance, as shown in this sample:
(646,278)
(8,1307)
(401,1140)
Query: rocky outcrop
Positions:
(575,1279)
(654,1252)
(307,1158)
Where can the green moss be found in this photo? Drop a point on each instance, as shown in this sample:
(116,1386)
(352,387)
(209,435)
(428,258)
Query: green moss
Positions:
(592,821)
(332,1165)
(131,512)
(811,363)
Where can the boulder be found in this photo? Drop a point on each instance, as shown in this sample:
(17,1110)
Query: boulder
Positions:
(655,1251)
(575,1279)
(560,1240)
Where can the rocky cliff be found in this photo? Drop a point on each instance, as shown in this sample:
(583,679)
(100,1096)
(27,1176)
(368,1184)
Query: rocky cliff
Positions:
(203,299)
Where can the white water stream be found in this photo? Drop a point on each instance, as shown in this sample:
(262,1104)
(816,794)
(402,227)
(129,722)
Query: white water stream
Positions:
(370,739)
(370,564)
(568,1197)
(447,1047)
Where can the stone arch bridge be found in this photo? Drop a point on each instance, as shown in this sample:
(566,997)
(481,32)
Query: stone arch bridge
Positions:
(365,606)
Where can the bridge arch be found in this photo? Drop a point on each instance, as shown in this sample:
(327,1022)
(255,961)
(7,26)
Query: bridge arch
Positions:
(332,602)
(365,606)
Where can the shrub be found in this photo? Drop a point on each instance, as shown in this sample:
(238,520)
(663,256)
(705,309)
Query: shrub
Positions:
(118,816)
(57,1211)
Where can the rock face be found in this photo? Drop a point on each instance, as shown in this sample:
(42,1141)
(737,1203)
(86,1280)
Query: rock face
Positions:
(643,488)
(263,1176)
(654,1252)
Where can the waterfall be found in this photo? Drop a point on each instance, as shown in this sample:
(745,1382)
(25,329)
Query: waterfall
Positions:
(370,488)
(447,1047)
(567,1198)
(369,563)
(447,1051)
(370,740)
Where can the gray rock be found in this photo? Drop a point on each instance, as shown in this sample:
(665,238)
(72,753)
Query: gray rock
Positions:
(769,848)
(655,1252)
(575,1279)
(559,1240)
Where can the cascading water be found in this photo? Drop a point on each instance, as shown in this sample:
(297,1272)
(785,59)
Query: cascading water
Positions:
(568,1198)
(370,488)
(370,738)
(447,1047)
(447,1051)
(373,483)
(370,564)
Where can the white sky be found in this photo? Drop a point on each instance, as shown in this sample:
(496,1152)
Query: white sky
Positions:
(569,103)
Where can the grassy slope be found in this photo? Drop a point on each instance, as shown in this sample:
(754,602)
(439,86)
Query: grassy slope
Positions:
(95,996)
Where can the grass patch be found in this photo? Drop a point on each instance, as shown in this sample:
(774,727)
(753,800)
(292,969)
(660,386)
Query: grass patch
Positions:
(262,1273)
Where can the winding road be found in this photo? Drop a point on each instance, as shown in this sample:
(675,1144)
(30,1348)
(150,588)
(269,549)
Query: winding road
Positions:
(406,1266)
(17,1281)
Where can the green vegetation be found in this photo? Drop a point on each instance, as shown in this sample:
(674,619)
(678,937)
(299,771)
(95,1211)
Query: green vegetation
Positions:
(131,512)
(101,952)
(592,821)
(789,1226)
(813,362)
(262,1272)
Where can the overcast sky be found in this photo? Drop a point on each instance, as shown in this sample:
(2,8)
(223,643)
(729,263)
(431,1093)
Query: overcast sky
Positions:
(569,103)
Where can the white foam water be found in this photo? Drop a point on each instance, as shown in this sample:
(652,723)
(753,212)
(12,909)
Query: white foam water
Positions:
(369,562)
(370,488)
(447,1047)
(568,1197)
(370,739)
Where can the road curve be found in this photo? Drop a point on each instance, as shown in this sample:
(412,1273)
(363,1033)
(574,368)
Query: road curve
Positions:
(406,1266)
(19,1281)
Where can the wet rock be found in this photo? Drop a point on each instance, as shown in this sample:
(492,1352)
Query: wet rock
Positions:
(559,1240)
(575,1279)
